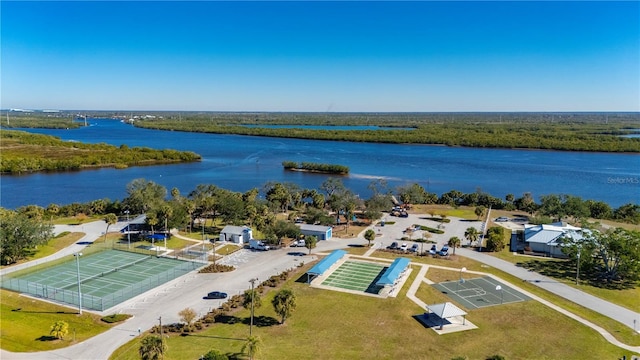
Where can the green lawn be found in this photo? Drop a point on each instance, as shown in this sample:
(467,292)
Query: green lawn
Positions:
(26,324)
(345,326)
(624,297)
(618,330)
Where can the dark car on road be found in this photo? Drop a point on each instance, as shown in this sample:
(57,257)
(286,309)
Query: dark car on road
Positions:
(216,295)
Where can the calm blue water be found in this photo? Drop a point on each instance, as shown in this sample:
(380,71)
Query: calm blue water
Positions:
(240,163)
(329,127)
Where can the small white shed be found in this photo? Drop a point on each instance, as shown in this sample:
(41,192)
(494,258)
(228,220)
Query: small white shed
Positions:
(236,234)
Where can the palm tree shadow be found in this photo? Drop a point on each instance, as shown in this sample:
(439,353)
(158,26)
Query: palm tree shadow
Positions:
(261,321)
(46,338)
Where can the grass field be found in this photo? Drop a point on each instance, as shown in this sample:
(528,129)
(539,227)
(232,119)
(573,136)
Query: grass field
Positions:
(339,325)
(557,268)
(27,329)
(618,330)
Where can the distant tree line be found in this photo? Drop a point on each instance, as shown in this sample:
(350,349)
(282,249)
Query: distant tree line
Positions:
(554,206)
(573,133)
(316,167)
(24,152)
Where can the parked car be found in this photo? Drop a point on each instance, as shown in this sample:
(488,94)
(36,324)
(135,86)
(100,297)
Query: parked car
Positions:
(393,246)
(414,248)
(298,243)
(217,295)
(501,219)
(258,245)
(404,247)
(433,249)
(444,251)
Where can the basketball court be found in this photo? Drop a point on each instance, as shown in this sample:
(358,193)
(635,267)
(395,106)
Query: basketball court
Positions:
(480,292)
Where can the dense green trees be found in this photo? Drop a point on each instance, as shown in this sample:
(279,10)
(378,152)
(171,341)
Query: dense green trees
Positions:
(518,130)
(316,167)
(20,235)
(25,152)
(613,255)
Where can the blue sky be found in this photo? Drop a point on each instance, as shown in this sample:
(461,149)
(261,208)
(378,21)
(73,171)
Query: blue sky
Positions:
(321,56)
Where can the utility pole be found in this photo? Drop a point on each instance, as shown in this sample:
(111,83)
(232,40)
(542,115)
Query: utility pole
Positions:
(253,294)
(578,266)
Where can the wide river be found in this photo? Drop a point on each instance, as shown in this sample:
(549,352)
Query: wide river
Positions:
(240,163)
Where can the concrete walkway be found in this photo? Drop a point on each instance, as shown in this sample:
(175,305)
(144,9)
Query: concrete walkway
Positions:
(616,312)
(168,299)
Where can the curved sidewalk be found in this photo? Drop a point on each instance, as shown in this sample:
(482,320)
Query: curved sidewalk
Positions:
(606,308)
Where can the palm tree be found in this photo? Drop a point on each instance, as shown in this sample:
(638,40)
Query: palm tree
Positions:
(284,303)
(110,219)
(152,348)
(454,242)
(370,235)
(59,329)
(471,234)
(252,346)
(310,242)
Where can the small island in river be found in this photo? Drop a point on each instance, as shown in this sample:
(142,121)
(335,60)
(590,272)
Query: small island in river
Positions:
(316,167)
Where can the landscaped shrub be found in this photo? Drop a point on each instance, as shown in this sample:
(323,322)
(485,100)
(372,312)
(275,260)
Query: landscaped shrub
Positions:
(216,268)
(114,318)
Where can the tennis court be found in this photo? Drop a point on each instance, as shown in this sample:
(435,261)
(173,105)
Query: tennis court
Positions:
(480,292)
(356,275)
(106,278)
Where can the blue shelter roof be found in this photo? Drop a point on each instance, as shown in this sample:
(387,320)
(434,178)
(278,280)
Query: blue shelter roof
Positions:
(324,264)
(392,273)
(157,236)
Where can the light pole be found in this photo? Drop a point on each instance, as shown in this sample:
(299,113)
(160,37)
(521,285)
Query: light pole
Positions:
(499,288)
(77,255)
(461,281)
(128,230)
(203,236)
(253,294)
(578,266)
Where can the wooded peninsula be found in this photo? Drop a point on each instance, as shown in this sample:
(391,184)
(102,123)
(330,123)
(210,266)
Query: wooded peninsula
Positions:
(562,131)
(598,132)
(24,152)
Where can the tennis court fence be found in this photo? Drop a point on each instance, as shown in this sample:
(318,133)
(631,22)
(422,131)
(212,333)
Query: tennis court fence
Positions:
(70,296)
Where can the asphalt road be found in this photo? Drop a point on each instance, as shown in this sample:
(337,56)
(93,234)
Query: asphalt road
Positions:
(164,302)
(188,291)
(457,228)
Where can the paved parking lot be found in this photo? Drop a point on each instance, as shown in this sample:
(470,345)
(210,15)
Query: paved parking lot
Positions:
(395,232)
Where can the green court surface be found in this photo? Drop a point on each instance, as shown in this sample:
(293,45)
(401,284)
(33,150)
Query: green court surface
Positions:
(356,275)
(106,278)
(480,292)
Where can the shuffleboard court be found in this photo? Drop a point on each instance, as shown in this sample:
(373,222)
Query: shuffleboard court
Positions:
(480,292)
(106,278)
(357,276)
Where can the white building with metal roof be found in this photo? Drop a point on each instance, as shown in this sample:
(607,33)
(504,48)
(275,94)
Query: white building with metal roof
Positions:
(544,239)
